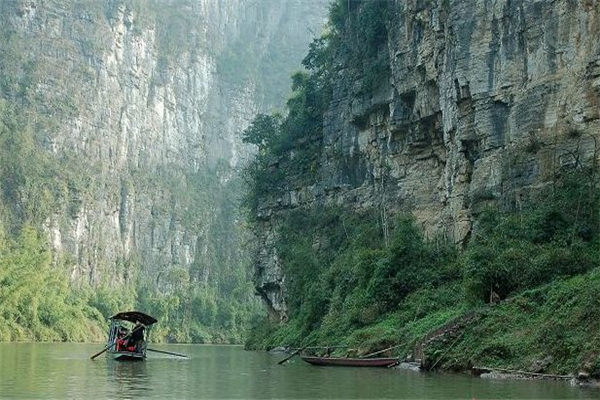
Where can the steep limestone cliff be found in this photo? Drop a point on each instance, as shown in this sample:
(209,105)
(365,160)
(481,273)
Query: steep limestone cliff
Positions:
(479,103)
(145,101)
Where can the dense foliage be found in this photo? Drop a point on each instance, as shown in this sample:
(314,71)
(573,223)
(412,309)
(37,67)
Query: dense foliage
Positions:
(347,285)
(358,37)
(555,236)
(300,130)
(35,299)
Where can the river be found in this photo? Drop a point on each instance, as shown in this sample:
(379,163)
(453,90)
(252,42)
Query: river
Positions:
(64,371)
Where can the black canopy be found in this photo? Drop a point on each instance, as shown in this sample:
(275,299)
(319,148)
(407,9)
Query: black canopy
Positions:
(133,316)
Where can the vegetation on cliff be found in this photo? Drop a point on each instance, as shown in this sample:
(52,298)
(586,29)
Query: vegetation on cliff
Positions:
(527,285)
(45,294)
(522,293)
(37,300)
(370,294)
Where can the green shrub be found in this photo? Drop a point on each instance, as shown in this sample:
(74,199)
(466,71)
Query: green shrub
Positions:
(549,239)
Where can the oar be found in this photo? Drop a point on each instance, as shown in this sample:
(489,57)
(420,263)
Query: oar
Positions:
(102,352)
(112,344)
(168,352)
(292,356)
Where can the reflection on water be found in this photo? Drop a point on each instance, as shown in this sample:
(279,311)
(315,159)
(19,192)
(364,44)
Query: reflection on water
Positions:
(61,371)
(128,379)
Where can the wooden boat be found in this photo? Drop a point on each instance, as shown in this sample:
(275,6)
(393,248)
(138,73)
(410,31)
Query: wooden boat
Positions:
(351,362)
(127,355)
(126,321)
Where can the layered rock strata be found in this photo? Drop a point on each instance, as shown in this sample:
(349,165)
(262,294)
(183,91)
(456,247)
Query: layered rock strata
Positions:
(484,103)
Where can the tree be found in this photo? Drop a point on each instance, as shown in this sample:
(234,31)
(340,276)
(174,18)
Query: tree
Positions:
(263,131)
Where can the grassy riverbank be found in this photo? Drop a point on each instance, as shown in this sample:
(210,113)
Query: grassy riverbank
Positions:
(554,328)
(523,294)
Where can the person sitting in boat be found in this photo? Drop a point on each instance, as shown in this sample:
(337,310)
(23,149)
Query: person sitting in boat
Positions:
(121,338)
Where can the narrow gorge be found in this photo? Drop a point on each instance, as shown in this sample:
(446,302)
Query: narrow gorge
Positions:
(407,174)
(121,124)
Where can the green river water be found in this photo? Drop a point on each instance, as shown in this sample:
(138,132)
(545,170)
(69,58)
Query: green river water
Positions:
(64,371)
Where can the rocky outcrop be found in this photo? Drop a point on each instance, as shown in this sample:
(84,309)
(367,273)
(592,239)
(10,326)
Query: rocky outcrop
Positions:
(484,102)
(142,100)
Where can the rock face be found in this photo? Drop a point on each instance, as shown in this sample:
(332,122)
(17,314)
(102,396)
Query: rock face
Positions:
(484,102)
(144,95)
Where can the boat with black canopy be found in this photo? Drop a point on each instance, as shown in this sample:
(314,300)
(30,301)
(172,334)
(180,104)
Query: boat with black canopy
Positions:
(128,335)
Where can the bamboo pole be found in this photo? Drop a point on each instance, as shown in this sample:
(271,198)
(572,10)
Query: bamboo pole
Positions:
(292,356)
(383,351)
(318,347)
(446,352)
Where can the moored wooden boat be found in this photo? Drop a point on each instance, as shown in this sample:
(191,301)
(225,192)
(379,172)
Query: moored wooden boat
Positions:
(351,362)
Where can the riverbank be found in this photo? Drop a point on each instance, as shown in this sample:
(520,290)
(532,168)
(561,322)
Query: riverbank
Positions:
(553,329)
(524,294)
(582,380)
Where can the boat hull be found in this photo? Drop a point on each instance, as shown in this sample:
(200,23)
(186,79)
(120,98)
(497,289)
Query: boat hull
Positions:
(126,356)
(351,362)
